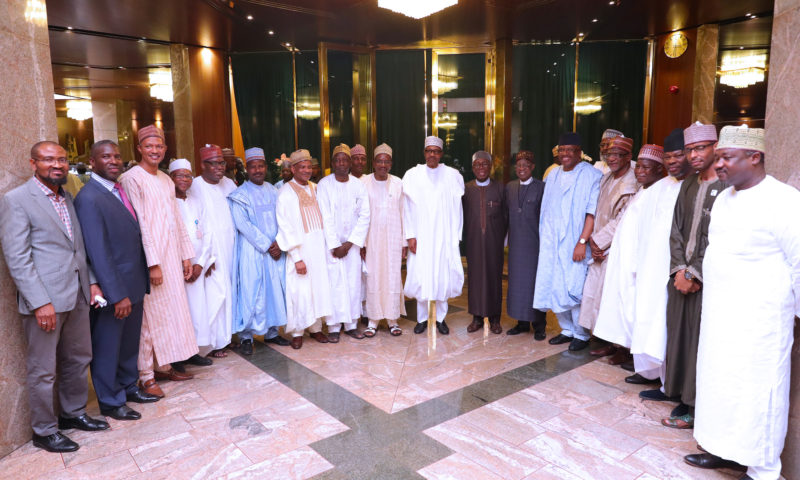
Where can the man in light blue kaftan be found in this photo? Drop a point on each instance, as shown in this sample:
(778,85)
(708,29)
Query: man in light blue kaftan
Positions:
(565,223)
(259,281)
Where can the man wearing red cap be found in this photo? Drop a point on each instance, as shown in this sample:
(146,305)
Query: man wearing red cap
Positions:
(617,187)
(211,191)
(358,161)
(167,331)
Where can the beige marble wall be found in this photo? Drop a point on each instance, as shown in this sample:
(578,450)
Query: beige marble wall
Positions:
(705,73)
(782,124)
(182,102)
(28,116)
(104,121)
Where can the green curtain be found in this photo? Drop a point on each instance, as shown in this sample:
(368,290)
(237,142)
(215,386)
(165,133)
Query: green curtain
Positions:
(308,124)
(544,82)
(612,74)
(467,135)
(400,90)
(264,92)
(340,97)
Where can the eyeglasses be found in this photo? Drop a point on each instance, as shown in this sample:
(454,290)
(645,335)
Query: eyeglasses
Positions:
(52,160)
(698,148)
(435,151)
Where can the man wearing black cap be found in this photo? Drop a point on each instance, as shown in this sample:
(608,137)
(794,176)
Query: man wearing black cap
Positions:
(567,219)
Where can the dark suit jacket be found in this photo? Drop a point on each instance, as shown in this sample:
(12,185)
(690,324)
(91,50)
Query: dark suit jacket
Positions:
(47,267)
(113,244)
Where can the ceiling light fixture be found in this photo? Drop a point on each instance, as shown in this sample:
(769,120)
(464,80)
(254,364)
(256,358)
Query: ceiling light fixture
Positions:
(594,20)
(69,28)
(161,85)
(270,33)
(79,109)
(740,69)
(249,17)
(416,8)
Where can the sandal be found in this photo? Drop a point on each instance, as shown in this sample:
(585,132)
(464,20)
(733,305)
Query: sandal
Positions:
(395,330)
(333,337)
(370,332)
(354,333)
(684,422)
(218,353)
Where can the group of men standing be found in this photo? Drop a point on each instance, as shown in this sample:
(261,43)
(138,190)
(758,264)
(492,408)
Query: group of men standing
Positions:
(686,261)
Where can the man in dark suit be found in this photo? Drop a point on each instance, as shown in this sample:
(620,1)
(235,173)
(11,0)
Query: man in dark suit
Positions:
(524,201)
(43,247)
(114,247)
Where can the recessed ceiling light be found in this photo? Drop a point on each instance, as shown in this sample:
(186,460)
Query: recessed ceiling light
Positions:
(288,44)
(121,67)
(741,48)
(752,17)
(594,20)
(249,17)
(580,34)
(312,61)
(69,28)
(271,32)
(747,14)
(611,2)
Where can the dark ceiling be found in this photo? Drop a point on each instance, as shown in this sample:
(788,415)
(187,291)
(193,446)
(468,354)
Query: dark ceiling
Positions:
(135,34)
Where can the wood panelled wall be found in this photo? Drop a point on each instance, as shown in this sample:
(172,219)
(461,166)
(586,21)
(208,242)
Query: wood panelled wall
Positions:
(211,103)
(671,110)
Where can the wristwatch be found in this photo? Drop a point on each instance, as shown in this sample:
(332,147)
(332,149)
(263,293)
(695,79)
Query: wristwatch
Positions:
(687,275)
(582,241)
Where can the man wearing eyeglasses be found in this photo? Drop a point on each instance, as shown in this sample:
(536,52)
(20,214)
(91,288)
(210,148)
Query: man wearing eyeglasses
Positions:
(688,241)
(167,331)
(43,246)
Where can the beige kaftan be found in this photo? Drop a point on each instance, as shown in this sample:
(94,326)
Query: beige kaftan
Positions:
(385,242)
(167,330)
(615,193)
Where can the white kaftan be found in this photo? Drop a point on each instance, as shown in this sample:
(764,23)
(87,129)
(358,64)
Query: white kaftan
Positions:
(751,274)
(192,213)
(649,334)
(345,206)
(218,224)
(432,213)
(303,235)
(385,242)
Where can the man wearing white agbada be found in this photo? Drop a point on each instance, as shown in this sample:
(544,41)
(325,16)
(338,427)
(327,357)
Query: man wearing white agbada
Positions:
(344,202)
(433,219)
(751,275)
(180,171)
(211,190)
(305,237)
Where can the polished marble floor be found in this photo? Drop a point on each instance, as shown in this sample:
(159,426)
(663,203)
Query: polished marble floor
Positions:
(481,406)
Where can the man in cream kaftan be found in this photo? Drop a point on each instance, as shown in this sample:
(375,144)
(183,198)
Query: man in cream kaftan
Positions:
(433,219)
(303,235)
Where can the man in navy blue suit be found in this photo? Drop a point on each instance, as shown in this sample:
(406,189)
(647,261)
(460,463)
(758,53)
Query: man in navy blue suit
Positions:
(114,247)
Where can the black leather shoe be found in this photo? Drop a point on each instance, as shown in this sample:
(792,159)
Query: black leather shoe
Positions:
(657,396)
(198,360)
(140,396)
(711,461)
(179,366)
(122,412)
(420,327)
(83,422)
(559,339)
(278,340)
(442,328)
(247,347)
(577,344)
(539,336)
(516,330)
(56,443)
(637,379)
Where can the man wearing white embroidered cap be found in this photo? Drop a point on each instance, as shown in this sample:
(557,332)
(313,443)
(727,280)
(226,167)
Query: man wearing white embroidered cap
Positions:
(432,223)
(752,295)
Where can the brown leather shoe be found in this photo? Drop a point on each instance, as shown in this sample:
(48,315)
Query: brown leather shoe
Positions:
(297,342)
(320,337)
(495,328)
(173,375)
(151,387)
(604,351)
(623,355)
(477,324)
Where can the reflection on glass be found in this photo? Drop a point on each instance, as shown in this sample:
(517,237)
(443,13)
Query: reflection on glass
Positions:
(308,131)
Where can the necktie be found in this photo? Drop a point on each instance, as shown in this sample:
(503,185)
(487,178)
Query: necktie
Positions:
(124,198)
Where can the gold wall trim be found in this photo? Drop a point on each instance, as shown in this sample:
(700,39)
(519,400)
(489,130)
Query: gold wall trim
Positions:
(294,98)
(324,108)
(575,88)
(648,90)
